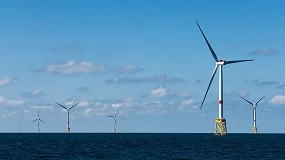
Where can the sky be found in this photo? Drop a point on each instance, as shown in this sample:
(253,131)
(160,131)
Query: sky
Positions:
(146,59)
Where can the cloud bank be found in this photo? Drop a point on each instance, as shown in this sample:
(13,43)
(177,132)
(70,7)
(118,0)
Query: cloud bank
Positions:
(160,78)
(34,94)
(4,81)
(269,83)
(265,52)
(279,99)
(72,67)
(10,102)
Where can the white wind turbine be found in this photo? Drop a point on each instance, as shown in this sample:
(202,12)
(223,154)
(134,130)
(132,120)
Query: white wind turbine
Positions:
(38,119)
(115,121)
(19,126)
(254,105)
(220,121)
(68,110)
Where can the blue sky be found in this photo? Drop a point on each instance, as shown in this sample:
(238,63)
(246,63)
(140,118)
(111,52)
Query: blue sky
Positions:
(145,58)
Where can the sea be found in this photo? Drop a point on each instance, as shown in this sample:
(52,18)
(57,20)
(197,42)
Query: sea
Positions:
(144,146)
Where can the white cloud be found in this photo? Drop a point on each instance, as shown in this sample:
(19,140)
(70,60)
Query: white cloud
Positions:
(279,99)
(187,102)
(80,104)
(188,105)
(42,107)
(88,112)
(117,105)
(4,80)
(72,102)
(27,112)
(185,94)
(4,116)
(84,104)
(128,101)
(71,67)
(160,78)
(159,92)
(10,102)
(34,94)
(129,68)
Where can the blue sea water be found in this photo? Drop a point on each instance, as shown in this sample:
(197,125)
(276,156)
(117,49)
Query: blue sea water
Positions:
(141,146)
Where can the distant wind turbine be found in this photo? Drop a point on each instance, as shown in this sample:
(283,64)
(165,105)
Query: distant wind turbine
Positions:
(68,110)
(115,121)
(220,125)
(38,119)
(254,129)
(19,126)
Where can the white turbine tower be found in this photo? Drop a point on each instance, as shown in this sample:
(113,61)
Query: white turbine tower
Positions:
(220,124)
(38,119)
(254,129)
(68,110)
(115,121)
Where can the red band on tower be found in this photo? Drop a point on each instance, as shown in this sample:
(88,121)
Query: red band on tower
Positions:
(220,102)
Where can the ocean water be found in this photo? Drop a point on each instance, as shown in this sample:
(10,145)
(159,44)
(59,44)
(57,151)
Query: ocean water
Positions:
(141,146)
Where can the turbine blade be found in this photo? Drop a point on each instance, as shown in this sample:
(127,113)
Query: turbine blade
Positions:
(211,49)
(74,105)
(34,120)
(211,80)
(109,116)
(247,101)
(116,113)
(41,120)
(230,62)
(61,105)
(260,99)
(38,113)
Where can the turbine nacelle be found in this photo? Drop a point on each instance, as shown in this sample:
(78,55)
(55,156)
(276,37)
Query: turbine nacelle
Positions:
(221,62)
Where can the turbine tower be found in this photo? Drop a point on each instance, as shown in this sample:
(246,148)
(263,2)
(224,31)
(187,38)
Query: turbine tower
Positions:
(68,110)
(220,124)
(254,129)
(38,119)
(115,121)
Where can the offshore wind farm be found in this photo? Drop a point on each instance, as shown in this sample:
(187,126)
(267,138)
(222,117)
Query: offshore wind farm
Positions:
(130,82)
(143,79)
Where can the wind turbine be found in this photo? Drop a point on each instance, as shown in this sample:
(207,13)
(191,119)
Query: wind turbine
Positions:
(115,121)
(254,129)
(220,124)
(19,126)
(38,119)
(68,110)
